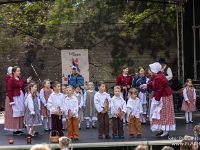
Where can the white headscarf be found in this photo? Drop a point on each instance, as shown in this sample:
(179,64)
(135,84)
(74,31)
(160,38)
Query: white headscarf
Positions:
(9,70)
(155,67)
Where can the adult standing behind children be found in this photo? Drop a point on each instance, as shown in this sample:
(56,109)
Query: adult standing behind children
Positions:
(101,102)
(89,108)
(55,106)
(45,92)
(141,79)
(124,80)
(14,106)
(162,108)
(166,70)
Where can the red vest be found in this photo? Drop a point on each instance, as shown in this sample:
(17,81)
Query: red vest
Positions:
(124,81)
(160,86)
(14,86)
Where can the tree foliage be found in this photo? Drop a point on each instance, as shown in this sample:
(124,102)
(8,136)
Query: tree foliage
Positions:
(27,17)
(139,26)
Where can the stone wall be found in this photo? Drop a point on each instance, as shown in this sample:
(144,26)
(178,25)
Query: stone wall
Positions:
(104,65)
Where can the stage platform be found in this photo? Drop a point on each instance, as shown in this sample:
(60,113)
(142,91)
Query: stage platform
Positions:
(89,137)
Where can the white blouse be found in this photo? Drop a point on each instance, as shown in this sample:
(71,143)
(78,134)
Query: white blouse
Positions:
(115,104)
(135,107)
(42,99)
(72,104)
(99,99)
(29,103)
(55,101)
(185,94)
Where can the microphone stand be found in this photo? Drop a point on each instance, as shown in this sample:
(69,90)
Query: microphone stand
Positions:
(35,72)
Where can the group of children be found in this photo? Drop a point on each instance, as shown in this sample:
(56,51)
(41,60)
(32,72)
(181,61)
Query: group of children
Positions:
(68,108)
(71,107)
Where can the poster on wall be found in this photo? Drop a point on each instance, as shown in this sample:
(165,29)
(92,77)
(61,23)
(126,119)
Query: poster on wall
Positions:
(78,59)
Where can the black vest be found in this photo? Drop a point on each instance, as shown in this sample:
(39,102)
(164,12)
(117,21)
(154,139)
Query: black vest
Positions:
(165,71)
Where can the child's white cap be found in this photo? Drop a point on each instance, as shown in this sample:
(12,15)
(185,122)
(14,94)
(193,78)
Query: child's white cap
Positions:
(9,71)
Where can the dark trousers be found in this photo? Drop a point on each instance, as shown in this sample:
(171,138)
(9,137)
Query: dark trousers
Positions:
(56,124)
(117,126)
(103,123)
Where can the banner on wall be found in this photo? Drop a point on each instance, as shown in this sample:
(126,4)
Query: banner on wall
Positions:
(74,58)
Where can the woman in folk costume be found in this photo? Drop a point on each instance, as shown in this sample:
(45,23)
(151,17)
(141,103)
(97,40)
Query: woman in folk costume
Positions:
(14,105)
(79,96)
(89,108)
(162,108)
(189,102)
(142,79)
(8,110)
(124,80)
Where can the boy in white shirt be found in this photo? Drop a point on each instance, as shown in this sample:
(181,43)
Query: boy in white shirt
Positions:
(134,111)
(71,111)
(118,109)
(55,106)
(101,102)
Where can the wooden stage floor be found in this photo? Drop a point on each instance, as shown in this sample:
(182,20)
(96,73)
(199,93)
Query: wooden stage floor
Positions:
(89,137)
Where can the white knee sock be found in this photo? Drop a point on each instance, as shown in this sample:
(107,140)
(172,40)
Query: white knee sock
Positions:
(124,119)
(28,128)
(88,123)
(45,122)
(143,118)
(79,124)
(164,133)
(64,122)
(190,116)
(186,116)
(49,122)
(93,123)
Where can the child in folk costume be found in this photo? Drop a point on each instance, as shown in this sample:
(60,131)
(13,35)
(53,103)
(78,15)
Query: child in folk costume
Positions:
(134,111)
(79,97)
(109,113)
(89,108)
(71,111)
(118,109)
(189,102)
(141,79)
(45,92)
(32,116)
(55,106)
(101,102)
(64,91)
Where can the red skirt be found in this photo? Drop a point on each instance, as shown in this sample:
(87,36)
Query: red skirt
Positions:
(167,117)
(12,123)
(188,107)
(44,111)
